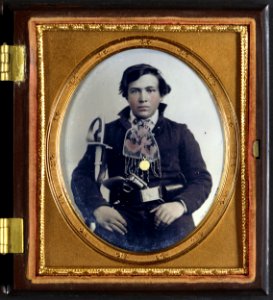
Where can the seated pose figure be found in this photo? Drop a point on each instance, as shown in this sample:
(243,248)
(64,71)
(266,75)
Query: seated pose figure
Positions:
(157,176)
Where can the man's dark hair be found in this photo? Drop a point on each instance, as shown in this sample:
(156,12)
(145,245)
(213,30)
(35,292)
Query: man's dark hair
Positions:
(134,72)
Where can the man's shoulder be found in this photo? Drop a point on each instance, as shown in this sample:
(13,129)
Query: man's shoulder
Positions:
(175,125)
(113,128)
(114,123)
(180,130)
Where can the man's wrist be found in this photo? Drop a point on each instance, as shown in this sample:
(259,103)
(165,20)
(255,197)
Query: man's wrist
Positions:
(184,206)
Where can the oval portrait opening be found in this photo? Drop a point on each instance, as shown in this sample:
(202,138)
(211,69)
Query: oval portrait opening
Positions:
(142,150)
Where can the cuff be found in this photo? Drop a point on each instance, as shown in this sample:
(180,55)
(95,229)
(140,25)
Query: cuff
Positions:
(184,206)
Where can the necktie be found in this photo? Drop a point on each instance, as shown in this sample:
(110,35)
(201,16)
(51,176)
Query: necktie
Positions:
(141,150)
(146,124)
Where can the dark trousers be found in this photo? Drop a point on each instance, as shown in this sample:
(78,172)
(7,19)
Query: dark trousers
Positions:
(142,234)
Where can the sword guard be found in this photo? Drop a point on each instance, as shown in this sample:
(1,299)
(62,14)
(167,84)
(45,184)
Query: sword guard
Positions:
(100,144)
(96,131)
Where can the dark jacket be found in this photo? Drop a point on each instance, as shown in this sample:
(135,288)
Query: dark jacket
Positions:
(180,157)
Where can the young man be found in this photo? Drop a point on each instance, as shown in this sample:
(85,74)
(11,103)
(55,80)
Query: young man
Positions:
(157,176)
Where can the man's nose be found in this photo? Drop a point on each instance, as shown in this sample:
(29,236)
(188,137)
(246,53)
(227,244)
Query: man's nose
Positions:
(144,96)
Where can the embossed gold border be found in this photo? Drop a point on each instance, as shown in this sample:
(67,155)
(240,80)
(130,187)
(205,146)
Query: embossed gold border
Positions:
(52,138)
(243,31)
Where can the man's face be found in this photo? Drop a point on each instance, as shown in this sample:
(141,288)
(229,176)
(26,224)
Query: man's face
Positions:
(144,96)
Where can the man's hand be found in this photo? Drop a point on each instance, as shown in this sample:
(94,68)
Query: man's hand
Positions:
(110,219)
(167,213)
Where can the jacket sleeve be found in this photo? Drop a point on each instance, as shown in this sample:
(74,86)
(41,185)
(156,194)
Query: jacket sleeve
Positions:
(194,169)
(85,190)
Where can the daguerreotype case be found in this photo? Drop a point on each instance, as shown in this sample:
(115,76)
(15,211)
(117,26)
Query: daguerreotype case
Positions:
(67,66)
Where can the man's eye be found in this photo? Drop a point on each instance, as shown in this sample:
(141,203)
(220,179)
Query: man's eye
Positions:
(133,91)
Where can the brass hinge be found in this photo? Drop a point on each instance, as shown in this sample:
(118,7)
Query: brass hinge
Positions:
(11,235)
(12,63)
(256,149)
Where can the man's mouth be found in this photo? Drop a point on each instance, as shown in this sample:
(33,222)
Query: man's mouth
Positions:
(143,107)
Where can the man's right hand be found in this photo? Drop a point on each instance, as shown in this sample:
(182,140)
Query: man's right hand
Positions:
(110,219)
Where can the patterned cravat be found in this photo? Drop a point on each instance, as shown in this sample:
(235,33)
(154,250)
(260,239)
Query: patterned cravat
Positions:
(139,145)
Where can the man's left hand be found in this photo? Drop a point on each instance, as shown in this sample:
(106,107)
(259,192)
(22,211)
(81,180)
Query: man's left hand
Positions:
(167,213)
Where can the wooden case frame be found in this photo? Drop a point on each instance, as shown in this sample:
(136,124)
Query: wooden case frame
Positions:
(251,272)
